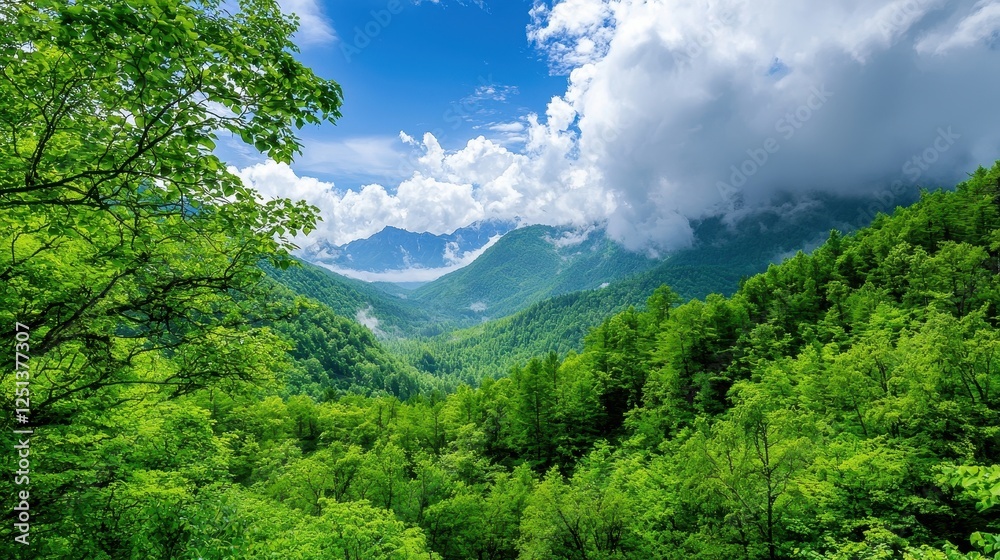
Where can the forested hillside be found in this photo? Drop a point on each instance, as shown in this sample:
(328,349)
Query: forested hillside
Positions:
(723,255)
(333,355)
(385,313)
(819,412)
(816,413)
(528,265)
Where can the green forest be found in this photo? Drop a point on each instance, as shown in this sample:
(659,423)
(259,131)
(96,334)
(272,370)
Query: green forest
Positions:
(167,393)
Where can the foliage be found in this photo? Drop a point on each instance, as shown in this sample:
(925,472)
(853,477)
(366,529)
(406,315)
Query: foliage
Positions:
(184,406)
(397,317)
(529,265)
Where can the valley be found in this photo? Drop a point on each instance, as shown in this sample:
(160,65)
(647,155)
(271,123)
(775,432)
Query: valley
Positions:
(557,280)
(539,292)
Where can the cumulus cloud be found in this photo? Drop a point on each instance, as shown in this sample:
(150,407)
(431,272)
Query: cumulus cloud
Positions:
(449,189)
(314,27)
(508,134)
(675,111)
(687,108)
(574,32)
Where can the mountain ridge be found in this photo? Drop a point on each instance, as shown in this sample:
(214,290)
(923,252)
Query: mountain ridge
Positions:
(395,249)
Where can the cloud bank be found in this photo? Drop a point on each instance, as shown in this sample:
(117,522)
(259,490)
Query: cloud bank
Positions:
(415,274)
(679,110)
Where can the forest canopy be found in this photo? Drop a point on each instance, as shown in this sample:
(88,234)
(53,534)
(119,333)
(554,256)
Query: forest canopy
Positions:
(841,405)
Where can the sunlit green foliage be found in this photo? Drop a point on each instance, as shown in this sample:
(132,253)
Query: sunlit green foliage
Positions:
(184,406)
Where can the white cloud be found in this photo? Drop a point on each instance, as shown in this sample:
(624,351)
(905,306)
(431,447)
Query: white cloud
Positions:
(507,127)
(494,92)
(570,238)
(511,135)
(452,254)
(669,97)
(487,102)
(982,25)
(314,27)
(575,32)
(413,274)
(667,101)
(367,318)
(451,189)
(356,157)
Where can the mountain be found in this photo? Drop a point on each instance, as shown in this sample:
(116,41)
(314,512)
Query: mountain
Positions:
(395,249)
(387,313)
(541,288)
(525,266)
(828,401)
(531,264)
(333,355)
(723,255)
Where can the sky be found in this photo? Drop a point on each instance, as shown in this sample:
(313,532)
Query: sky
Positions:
(450,68)
(640,115)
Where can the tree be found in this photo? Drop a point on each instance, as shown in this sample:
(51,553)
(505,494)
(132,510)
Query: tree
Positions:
(108,175)
(132,253)
(586,518)
(750,462)
(535,409)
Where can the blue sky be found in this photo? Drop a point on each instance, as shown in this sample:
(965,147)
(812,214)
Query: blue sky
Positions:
(451,68)
(421,67)
(661,111)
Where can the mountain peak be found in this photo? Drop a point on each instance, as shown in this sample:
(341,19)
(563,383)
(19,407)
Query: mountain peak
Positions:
(394,248)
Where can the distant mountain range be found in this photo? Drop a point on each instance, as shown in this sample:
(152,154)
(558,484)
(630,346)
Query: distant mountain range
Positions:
(394,249)
(542,288)
(724,253)
(525,266)
(531,264)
